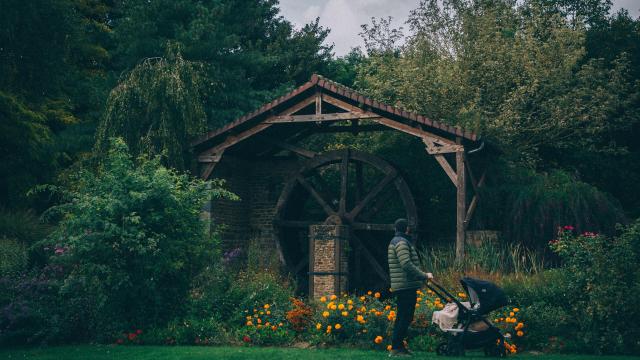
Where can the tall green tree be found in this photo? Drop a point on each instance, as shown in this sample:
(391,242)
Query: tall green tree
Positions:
(52,75)
(520,74)
(250,53)
(157,108)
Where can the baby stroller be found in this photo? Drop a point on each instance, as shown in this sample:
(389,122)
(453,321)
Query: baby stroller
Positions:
(472,330)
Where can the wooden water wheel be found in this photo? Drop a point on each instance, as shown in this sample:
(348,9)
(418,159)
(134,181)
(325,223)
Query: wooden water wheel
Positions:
(344,187)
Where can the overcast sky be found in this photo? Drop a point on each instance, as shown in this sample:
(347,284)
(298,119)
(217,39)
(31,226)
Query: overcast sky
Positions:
(344,17)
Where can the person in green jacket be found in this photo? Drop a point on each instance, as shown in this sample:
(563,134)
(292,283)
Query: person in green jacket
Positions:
(406,277)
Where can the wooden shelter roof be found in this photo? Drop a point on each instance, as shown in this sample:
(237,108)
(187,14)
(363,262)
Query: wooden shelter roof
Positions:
(324,85)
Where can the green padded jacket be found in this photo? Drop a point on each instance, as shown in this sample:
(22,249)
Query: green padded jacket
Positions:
(403,261)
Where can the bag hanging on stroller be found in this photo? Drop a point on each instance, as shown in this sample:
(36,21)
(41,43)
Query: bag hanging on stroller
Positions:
(470,329)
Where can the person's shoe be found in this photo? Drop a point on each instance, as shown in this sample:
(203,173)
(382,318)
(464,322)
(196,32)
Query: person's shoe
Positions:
(399,353)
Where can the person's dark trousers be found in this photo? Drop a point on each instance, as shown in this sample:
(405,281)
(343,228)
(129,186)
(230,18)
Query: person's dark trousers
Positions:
(406,301)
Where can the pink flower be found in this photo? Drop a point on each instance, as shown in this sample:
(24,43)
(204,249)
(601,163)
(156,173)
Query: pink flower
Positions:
(138,332)
(589,234)
(132,336)
(246,339)
(568,227)
(59,251)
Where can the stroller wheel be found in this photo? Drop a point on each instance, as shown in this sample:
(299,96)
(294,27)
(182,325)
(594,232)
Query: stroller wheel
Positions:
(442,349)
(455,349)
(495,350)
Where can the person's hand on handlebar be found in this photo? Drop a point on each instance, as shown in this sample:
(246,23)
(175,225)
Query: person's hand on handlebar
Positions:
(429,277)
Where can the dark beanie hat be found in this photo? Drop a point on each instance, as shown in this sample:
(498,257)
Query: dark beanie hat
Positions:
(401,225)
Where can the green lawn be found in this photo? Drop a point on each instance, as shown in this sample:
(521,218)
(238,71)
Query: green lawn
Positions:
(197,353)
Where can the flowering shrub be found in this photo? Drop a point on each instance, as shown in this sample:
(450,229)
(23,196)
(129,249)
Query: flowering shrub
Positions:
(600,269)
(301,316)
(266,326)
(363,320)
(514,330)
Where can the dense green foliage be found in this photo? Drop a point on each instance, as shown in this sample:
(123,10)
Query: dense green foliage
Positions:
(587,304)
(532,78)
(128,244)
(164,96)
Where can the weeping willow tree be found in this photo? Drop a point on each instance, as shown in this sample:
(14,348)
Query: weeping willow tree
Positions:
(156,109)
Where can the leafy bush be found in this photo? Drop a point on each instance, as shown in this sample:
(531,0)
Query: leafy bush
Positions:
(531,206)
(600,269)
(19,229)
(13,257)
(22,225)
(129,242)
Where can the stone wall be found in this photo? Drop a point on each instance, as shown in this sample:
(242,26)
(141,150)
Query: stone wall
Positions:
(258,184)
(329,266)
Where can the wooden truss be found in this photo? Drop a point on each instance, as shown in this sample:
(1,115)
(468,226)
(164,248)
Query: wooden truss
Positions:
(437,146)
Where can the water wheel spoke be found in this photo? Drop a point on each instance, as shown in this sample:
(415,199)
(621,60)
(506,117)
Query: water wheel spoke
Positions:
(376,206)
(372,195)
(344,179)
(323,188)
(373,226)
(316,195)
(370,258)
(359,182)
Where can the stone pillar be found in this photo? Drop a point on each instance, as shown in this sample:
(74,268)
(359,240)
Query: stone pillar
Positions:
(328,259)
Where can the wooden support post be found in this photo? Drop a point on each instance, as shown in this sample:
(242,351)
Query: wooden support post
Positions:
(318,103)
(461,203)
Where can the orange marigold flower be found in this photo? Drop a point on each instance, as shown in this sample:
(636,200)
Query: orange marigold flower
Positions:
(520,333)
(249,323)
(323,299)
(333,307)
(259,321)
(350,302)
(338,326)
(388,307)
(377,295)
(318,326)
(268,312)
(325,314)
(512,314)
(378,339)
(333,297)
(345,313)
(516,309)
(267,306)
(340,306)
(274,328)
(388,347)
(369,292)
(362,298)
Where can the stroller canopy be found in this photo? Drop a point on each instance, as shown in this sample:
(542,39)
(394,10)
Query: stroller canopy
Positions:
(488,296)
